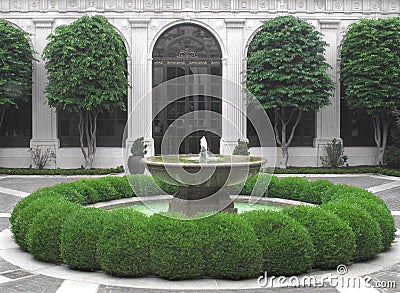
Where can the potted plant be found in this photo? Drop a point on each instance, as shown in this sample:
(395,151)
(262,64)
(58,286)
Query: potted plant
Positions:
(138,150)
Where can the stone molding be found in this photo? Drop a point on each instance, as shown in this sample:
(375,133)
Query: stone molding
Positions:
(272,6)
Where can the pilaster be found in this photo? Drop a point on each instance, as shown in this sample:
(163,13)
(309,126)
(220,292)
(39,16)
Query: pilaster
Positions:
(140,101)
(233,104)
(44,118)
(328,118)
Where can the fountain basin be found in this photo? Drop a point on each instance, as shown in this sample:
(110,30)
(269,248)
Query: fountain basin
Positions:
(201,185)
(220,170)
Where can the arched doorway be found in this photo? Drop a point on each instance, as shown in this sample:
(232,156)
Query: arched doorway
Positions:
(186,50)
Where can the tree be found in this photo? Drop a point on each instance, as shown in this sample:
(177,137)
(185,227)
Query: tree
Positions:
(16,56)
(370,72)
(286,72)
(87,72)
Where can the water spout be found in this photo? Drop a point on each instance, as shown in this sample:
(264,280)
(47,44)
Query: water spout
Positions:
(203,156)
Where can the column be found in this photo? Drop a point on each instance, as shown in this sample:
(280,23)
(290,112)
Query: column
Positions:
(328,118)
(233,105)
(141,105)
(44,118)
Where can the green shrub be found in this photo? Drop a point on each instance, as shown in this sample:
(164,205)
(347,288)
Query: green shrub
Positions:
(42,192)
(144,185)
(340,191)
(79,238)
(333,239)
(290,188)
(26,216)
(366,229)
(58,171)
(287,247)
(121,185)
(123,248)
(87,191)
(273,187)
(392,157)
(381,214)
(175,248)
(314,190)
(44,235)
(103,190)
(69,192)
(230,247)
(167,188)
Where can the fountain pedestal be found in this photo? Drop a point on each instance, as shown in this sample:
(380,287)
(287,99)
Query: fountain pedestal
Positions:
(192,200)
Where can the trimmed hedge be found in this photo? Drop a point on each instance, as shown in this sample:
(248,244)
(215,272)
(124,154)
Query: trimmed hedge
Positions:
(175,244)
(79,237)
(44,235)
(58,171)
(333,239)
(124,244)
(341,190)
(230,247)
(287,247)
(52,224)
(366,229)
(381,214)
(22,223)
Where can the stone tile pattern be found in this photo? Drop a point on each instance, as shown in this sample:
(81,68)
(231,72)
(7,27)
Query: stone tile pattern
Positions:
(33,284)
(7,202)
(391,198)
(391,274)
(4,224)
(358,181)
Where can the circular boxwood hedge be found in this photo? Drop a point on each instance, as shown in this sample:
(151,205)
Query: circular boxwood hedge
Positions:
(52,224)
(333,239)
(44,235)
(230,247)
(124,245)
(175,244)
(286,245)
(366,229)
(79,238)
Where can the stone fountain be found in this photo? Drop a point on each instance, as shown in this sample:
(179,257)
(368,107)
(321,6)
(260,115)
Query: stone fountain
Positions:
(202,180)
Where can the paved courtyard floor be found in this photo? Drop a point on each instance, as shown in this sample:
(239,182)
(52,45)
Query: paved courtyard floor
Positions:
(32,277)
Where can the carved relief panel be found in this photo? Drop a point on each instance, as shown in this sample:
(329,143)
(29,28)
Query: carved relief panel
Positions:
(301,5)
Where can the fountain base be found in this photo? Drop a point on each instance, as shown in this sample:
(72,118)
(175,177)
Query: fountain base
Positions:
(192,200)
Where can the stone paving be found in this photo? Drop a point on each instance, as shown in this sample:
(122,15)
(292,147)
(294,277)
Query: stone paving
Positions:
(16,280)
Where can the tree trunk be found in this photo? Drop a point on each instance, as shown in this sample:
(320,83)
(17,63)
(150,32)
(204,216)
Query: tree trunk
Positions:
(2,112)
(285,157)
(87,132)
(381,121)
(281,138)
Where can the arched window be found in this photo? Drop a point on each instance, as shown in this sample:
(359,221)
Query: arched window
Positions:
(185,50)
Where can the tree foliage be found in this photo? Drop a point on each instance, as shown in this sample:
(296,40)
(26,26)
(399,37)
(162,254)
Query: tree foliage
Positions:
(287,72)
(370,72)
(86,65)
(16,58)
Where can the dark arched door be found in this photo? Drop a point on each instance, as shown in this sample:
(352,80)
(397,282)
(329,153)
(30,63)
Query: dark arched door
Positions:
(183,51)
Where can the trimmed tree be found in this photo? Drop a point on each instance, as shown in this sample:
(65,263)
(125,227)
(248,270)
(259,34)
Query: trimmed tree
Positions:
(16,58)
(87,72)
(370,72)
(287,73)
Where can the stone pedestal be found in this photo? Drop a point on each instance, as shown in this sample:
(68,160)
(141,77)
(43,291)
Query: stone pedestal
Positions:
(192,200)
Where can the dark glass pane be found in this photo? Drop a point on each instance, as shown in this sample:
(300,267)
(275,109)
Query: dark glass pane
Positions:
(186,50)
(16,130)
(110,128)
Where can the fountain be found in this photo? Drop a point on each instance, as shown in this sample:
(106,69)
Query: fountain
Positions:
(202,180)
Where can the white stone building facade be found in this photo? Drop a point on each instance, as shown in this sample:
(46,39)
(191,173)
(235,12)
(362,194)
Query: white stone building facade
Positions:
(233,23)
